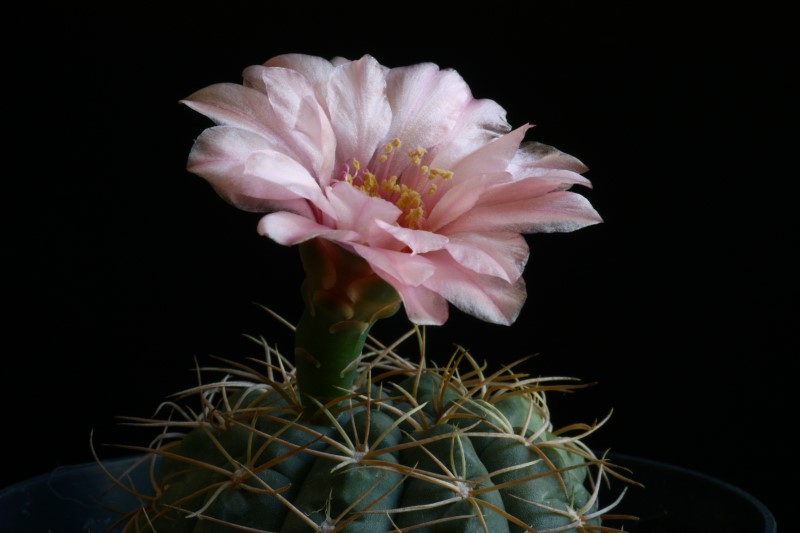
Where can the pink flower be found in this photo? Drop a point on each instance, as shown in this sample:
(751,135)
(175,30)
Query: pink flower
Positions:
(401,166)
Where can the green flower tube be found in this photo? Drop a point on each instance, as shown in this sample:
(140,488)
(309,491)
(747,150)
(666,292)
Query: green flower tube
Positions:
(343,298)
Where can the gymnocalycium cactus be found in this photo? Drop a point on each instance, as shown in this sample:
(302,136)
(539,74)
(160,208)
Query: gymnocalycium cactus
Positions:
(401,190)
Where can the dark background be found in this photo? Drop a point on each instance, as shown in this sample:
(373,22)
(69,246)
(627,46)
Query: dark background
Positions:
(681,307)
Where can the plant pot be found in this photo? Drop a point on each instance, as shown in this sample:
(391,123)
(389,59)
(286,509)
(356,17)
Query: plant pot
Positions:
(679,500)
(81,498)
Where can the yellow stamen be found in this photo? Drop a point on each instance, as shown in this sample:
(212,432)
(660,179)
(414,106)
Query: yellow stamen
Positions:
(414,217)
(416,155)
(390,185)
(370,184)
(409,198)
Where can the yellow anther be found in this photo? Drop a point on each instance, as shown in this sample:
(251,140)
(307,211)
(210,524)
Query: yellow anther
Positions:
(356,164)
(388,148)
(408,198)
(416,155)
(382,158)
(390,185)
(396,142)
(414,216)
(432,188)
(370,184)
(445,174)
(349,178)
(424,169)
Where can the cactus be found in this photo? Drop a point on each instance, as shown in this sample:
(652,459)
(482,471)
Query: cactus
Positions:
(349,436)
(411,447)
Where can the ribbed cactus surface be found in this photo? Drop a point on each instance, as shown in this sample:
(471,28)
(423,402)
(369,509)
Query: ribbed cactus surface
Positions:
(411,448)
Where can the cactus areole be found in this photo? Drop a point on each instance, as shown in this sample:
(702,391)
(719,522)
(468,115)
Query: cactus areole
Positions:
(401,190)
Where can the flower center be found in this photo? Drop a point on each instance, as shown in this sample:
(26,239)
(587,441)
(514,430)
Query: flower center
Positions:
(406,191)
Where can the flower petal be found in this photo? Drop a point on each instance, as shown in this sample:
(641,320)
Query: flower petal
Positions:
(220,156)
(459,198)
(423,306)
(315,69)
(412,270)
(290,229)
(481,122)
(538,155)
(294,123)
(486,297)
(492,157)
(426,104)
(499,254)
(296,117)
(418,241)
(472,176)
(552,212)
(359,212)
(233,105)
(355,95)
(280,169)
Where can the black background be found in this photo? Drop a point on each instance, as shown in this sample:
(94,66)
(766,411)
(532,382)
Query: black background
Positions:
(681,307)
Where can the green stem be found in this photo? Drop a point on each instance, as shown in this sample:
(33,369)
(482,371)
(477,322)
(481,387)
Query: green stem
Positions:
(344,297)
(326,357)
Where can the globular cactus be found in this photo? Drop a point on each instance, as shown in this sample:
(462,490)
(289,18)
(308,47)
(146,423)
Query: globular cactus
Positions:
(411,448)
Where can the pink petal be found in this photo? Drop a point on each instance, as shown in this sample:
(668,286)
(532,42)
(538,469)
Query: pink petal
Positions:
(412,270)
(359,212)
(555,211)
(423,306)
(359,111)
(418,241)
(233,105)
(459,198)
(538,155)
(315,69)
(486,297)
(536,182)
(481,122)
(294,123)
(492,157)
(290,229)
(499,254)
(472,175)
(426,105)
(296,117)
(282,170)
(220,156)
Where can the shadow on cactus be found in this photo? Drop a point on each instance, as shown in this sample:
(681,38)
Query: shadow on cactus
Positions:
(402,191)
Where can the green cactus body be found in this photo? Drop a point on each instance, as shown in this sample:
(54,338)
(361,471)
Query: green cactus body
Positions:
(411,449)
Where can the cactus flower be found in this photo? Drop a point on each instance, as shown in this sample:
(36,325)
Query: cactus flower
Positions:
(400,166)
